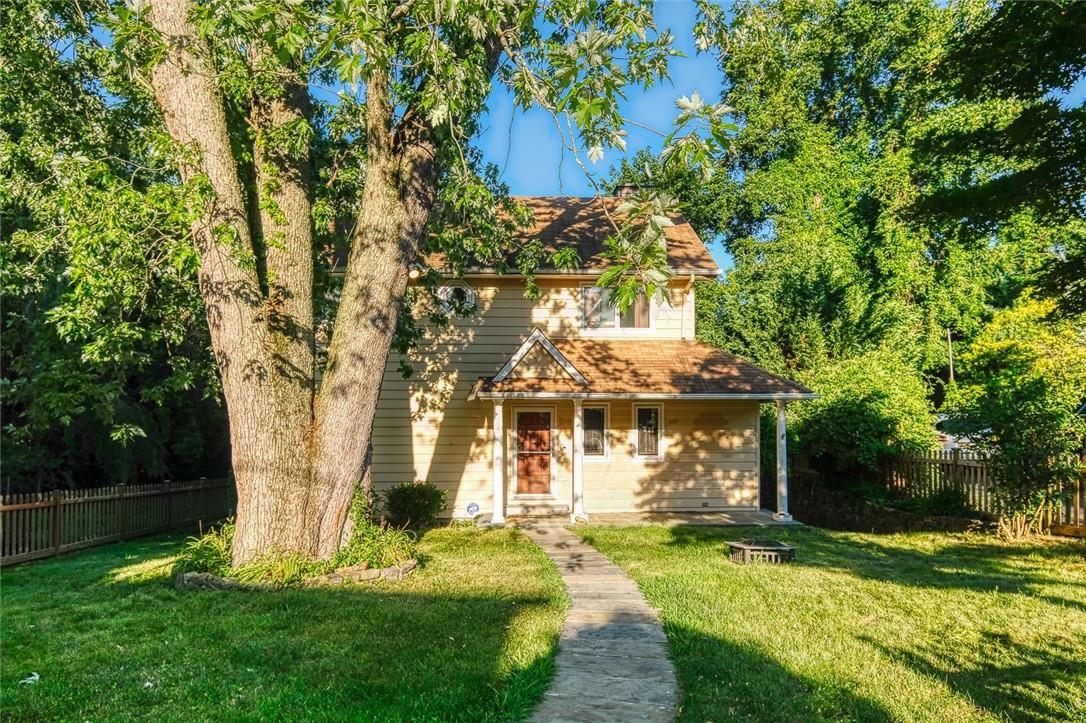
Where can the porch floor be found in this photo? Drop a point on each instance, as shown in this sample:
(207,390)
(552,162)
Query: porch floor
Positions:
(758,518)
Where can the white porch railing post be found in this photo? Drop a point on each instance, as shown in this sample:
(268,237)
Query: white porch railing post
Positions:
(498,518)
(577,509)
(782,466)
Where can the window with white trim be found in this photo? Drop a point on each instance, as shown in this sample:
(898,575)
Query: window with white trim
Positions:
(648,429)
(595,431)
(456,297)
(598,312)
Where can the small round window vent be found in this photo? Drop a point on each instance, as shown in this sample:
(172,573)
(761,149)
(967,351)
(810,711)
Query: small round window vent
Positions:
(456,297)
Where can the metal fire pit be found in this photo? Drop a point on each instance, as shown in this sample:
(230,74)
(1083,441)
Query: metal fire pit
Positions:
(745,552)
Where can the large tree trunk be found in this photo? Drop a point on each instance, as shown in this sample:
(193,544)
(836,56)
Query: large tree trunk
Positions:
(259,337)
(399,195)
(298,457)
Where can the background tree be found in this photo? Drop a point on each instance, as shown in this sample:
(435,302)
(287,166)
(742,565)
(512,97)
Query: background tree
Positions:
(1008,77)
(107,376)
(867,204)
(1022,382)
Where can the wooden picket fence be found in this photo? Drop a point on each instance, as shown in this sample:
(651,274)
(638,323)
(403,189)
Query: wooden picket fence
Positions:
(968,473)
(39,525)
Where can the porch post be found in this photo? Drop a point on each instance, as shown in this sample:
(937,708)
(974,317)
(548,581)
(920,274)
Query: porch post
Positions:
(577,509)
(782,466)
(498,518)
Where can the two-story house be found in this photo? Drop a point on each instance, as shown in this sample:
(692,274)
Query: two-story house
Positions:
(562,405)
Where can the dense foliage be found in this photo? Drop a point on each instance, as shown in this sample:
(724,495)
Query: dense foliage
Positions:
(889,192)
(1023,379)
(414,504)
(107,375)
(872,408)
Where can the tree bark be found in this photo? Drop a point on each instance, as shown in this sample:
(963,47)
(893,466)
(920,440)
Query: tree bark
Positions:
(298,456)
(399,195)
(258,338)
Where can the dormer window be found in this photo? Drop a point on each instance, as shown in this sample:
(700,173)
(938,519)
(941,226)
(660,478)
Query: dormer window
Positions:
(597,311)
(456,297)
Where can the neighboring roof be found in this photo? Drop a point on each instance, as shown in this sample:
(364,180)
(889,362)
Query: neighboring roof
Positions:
(662,368)
(582,222)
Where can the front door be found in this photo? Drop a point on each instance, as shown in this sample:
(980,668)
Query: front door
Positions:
(534,447)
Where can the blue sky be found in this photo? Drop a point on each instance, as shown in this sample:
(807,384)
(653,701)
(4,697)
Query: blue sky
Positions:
(527,148)
(533,164)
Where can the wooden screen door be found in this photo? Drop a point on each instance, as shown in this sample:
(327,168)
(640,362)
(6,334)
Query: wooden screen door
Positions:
(534,453)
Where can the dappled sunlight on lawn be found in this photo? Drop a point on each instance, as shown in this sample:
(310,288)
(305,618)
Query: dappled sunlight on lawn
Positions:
(112,639)
(917,626)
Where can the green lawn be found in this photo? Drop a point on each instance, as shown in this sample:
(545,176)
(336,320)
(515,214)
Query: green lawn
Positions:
(929,627)
(471,636)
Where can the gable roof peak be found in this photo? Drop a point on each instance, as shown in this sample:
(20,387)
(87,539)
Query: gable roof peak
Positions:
(538,338)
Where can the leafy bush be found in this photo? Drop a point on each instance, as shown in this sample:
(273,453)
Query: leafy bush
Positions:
(1022,380)
(872,407)
(373,543)
(414,504)
(208,553)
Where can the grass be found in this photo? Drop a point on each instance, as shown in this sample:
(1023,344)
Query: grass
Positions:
(470,636)
(920,627)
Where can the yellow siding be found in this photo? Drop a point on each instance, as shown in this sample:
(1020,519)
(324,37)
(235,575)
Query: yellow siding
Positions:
(427,429)
(709,460)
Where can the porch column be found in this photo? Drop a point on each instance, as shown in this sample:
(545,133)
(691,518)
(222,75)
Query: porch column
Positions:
(782,466)
(577,509)
(498,518)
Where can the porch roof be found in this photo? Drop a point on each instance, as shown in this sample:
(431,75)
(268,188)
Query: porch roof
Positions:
(641,368)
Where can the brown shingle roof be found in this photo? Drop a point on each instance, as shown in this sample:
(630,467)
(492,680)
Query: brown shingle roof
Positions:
(644,366)
(562,221)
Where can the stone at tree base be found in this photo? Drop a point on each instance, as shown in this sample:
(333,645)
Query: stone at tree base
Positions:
(341,576)
(207,581)
(400,572)
(364,573)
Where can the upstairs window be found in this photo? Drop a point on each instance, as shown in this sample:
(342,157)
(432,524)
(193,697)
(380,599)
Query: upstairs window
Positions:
(599,313)
(456,297)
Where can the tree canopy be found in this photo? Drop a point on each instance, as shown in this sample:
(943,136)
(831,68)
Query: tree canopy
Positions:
(901,173)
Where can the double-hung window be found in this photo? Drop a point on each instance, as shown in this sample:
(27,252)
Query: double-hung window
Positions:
(598,311)
(648,429)
(595,432)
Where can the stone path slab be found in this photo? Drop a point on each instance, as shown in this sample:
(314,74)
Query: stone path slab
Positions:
(612,662)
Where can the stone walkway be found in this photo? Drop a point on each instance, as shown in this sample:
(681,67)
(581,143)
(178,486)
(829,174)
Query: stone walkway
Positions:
(612,662)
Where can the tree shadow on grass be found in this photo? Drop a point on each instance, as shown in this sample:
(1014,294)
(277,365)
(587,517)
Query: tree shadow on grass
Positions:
(1008,678)
(112,639)
(979,566)
(722,680)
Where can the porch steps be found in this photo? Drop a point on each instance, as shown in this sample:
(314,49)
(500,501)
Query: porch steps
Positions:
(541,510)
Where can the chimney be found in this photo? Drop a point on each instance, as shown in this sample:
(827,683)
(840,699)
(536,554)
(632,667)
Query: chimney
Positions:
(627,190)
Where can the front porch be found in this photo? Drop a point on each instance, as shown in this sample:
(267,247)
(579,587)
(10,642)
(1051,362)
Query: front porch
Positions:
(632,432)
(750,518)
